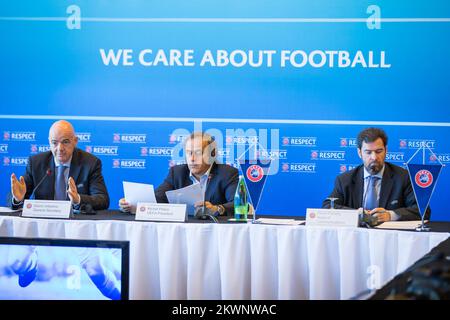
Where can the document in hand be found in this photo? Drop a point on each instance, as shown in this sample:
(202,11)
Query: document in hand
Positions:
(188,195)
(138,192)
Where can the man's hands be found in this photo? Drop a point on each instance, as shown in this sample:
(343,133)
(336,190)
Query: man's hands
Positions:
(381,214)
(18,188)
(124,205)
(212,209)
(72,192)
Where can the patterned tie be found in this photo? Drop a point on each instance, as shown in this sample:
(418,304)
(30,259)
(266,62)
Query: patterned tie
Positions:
(371,194)
(60,184)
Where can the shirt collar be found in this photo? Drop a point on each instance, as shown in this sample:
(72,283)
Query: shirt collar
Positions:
(66,164)
(379,174)
(205,175)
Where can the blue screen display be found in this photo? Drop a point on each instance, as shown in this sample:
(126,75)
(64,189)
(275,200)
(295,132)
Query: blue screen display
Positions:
(133,79)
(62,270)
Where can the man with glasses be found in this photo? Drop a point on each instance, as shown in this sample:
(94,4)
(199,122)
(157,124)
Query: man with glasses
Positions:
(382,189)
(64,173)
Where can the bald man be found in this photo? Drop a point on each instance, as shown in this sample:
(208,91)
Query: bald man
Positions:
(65,173)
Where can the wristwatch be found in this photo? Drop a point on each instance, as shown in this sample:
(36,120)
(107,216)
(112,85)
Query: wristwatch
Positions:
(221,210)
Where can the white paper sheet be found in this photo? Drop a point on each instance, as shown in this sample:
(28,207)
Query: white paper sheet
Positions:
(403,225)
(188,195)
(8,210)
(138,192)
(290,222)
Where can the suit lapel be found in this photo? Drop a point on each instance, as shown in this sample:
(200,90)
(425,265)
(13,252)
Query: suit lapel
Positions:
(210,185)
(358,182)
(386,187)
(75,166)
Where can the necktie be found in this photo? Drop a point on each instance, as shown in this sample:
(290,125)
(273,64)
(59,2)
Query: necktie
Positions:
(60,184)
(371,194)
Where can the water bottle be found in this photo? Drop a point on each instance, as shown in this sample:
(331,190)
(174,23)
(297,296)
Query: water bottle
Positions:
(240,201)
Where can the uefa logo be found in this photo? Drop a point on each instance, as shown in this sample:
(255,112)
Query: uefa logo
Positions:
(403,143)
(423,178)
(343,168)
(344,142)
(285,141)
(314,155)
(29,205)
(116,137)
(312,215)
(142,209)
(6,161)
(254,173)
(433,158)
(89,149)
(34,148)
(144,151)
(6,135)
(116,163)
(229,139)
(174,138)
(285,167)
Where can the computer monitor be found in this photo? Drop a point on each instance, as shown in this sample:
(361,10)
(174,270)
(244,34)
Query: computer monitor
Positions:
(67,269)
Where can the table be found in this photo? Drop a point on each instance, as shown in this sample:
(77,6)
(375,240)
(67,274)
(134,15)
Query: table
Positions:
(243,261)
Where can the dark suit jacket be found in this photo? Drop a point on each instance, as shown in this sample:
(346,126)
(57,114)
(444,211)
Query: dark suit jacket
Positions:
(396,192)
(222,184)
(85,169)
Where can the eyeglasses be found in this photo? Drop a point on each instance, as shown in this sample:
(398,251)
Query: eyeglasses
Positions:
(65,142)
(197,153)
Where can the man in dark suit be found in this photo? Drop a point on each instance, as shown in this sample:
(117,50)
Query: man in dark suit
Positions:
(64,173)
(382,189)
(218,181)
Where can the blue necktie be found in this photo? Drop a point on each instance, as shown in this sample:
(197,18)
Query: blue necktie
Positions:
(60,184)
(371,194)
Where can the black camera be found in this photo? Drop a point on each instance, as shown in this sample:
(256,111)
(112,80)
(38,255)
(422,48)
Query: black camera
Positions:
(429,282)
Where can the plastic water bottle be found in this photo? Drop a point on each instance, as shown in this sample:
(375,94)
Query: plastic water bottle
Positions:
(240,201)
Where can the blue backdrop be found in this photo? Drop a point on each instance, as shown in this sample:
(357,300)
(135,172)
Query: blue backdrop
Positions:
(135,77)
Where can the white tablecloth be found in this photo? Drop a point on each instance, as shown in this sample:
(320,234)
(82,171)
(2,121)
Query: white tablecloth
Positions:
(245,261)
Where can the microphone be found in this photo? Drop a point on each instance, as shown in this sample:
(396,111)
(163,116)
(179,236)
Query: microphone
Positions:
(202,213)
(47,174)
(206,216)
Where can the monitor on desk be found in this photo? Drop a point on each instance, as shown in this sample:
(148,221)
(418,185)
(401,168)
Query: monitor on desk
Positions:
(63,269)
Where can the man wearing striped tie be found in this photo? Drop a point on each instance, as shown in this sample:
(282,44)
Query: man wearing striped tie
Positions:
(381,188)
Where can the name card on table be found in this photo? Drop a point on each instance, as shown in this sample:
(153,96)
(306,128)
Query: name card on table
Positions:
(168,212)
(332,217)
(47,209)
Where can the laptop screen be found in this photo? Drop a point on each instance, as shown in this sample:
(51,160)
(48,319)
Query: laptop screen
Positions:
(63,269)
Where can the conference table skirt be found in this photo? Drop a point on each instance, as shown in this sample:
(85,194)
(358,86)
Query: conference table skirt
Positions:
(245,261)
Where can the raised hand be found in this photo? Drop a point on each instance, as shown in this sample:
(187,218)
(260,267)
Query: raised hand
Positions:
(72,192)
(18,188)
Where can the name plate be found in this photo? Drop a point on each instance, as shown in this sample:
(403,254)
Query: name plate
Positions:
(168,212)
(332,217)
(47,209)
